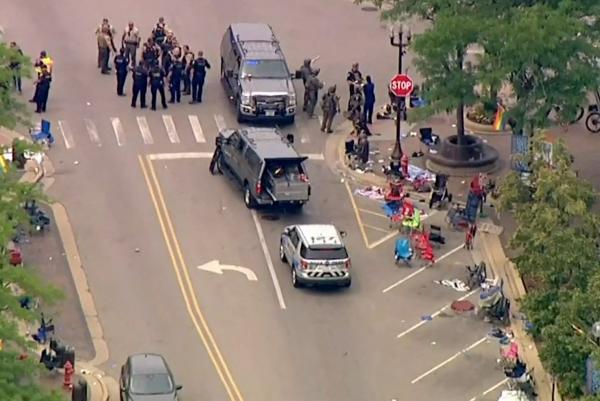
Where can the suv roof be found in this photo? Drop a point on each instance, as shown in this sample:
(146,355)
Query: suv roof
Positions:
(148,364)
(257,41)
(318,235)
(268,143)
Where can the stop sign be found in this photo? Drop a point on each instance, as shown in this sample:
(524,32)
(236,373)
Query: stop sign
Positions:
(401,85)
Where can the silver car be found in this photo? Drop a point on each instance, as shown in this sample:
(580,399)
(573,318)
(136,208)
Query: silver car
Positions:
(316,254)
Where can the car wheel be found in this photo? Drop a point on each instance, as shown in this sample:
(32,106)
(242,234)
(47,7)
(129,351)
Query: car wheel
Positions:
(248,198)
(348,283)
(295,281)
(220,164)
(282,256)
(239,115)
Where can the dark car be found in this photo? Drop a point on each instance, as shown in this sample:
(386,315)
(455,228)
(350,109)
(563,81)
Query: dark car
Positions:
(147,377)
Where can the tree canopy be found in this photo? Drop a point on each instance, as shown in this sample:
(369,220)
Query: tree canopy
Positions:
(12,111)
(18,377)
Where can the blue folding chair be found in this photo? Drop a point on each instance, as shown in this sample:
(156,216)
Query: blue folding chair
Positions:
(44,135)
(403,251)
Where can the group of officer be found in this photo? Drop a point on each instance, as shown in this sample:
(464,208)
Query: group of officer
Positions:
(361,100)
(162,61)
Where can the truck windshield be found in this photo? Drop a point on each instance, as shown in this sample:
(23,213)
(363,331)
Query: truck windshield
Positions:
(265,69)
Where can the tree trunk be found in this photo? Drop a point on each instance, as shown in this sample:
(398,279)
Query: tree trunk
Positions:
(460,123)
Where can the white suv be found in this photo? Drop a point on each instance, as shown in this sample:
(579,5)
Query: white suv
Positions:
(316,254)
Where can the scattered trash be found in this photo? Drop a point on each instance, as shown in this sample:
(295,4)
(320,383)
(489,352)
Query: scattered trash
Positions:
(433,343)
(426,317)
(389,149)
(484,140)
(88,104)
(462,306)
(432,151)
(453,125)
(455,284)
(137,250)
(76,162)
(463,181)
(413,133)
(50,258)
(371,192)
(342,180)
(380,161)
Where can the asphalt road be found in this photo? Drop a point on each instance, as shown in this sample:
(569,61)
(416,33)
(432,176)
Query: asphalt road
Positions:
(143,226)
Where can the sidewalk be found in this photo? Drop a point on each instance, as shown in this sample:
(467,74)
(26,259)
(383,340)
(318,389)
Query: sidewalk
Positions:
(487,245)
(100,386)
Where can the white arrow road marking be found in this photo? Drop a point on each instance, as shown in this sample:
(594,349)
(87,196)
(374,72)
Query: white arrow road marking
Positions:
(170,127)
(197,128)
(90,126)
(215,267)
(119,131)
(67,135)
(145,130)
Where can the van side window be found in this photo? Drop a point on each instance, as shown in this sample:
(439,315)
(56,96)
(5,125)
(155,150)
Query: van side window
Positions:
(253,159)
(235,140)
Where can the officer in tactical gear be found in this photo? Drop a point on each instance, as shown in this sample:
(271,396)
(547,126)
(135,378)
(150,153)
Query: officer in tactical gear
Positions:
(175,76)
(313,84)
(199,67)
(157,84)
(330,103)
(159,33)
(354,79)
(140,84)
(305,71)
(121,66)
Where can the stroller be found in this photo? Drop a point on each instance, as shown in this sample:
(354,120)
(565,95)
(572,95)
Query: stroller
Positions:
(457,217)
(476,275)
(403,251)
(439,195)
(493,305)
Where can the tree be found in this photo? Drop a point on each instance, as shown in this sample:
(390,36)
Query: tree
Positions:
(18,378)
(449,81)
(12,111)
(557,242)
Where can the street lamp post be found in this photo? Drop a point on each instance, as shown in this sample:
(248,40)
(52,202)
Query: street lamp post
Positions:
(401,44)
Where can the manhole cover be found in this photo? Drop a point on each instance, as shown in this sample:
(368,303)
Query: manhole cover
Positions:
(369,8)
(271,217)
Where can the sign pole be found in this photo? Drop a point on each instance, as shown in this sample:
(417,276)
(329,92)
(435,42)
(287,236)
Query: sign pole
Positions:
(396,155)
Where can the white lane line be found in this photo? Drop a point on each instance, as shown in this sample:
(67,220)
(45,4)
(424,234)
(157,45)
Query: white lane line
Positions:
(145,130)
(90,126)
(444,256)
(170,127)
(489,390)
(315,156)
(320,117)
(434,315)
(197,129)
(67,135)
(447,361)
(265,250)
(220,122)
(394,233)
(119,131)
(205,155)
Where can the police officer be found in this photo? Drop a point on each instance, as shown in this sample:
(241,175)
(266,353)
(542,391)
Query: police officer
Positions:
(331,106)
(42,87)
(313,84)
(157,84)
(199,67)
(121,64)
(131,41)
(140,84)
(188,59)
(305,71)
(159,33)
(353,78)
(175,76)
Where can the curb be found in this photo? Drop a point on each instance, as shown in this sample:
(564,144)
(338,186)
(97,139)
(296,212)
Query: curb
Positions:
(97,388)
(81,284)
(504,269)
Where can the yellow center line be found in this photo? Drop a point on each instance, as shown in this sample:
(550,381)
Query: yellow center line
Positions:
(383,216)
(357,214)
(187,288)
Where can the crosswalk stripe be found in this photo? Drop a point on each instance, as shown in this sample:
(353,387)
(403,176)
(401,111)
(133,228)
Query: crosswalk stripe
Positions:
(197,129)
(67,135)
(90,126)
(145,130)
(220,121)
(119,131)
(170,126)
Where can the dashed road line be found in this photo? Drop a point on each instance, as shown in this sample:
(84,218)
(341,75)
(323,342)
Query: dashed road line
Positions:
(197,129)
(489,390)
(220,122)
(170,127)
(90,127)
(145,130)
(118,129)
(66,133)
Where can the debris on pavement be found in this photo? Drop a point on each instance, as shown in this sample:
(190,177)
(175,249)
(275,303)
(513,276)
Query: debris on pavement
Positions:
(462,306)
(455,284)
(371,192)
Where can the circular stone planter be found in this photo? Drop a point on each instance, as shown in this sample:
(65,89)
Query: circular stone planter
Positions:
(484,129)
(473,153)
